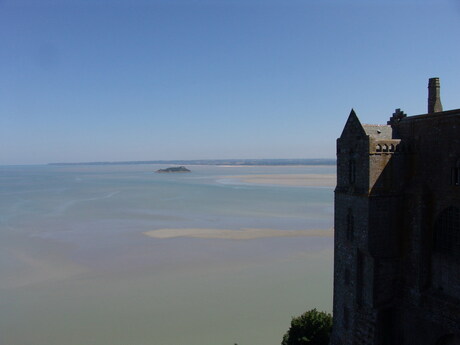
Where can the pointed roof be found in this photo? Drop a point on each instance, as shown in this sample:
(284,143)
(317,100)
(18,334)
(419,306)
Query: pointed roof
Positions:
(353,126)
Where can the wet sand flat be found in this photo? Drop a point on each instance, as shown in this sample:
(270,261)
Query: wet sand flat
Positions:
(302,180)
(241,234)
(74,254)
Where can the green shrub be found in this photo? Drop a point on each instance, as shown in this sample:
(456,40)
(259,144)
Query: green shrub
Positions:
(311,328)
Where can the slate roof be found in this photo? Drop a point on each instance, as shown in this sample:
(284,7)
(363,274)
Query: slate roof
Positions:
(379,131)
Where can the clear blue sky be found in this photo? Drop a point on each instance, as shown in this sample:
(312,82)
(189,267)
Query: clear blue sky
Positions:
(109,80)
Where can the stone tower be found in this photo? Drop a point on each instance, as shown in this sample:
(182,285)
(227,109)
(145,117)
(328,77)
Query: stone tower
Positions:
(397,230)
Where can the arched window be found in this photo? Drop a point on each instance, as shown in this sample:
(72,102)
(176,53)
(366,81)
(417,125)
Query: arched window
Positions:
(455,176)
(359,277)
(392,148)
(385,148)
(350,225)
(346,318)
(447,233)
(378,148)
(351,171)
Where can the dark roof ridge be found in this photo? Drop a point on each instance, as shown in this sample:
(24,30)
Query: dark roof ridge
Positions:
(430,115)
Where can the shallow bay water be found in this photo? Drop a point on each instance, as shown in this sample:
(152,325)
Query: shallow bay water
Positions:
(76,266)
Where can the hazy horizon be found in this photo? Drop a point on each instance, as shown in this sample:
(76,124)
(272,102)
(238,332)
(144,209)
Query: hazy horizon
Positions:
(212,161)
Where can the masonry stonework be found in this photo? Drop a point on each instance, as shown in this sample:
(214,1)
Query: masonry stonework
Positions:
(397,229)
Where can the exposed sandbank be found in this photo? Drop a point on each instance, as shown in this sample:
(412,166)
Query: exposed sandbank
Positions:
(304,180)
(242,234)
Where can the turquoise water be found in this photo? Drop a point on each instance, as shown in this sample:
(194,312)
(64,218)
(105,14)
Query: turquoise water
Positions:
(77,269)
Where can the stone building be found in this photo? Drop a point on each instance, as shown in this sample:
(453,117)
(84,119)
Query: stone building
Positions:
(397,229)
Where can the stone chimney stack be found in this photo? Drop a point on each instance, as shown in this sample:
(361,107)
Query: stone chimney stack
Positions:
(434,98)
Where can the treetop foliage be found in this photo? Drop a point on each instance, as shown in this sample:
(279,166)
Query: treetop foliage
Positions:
(311,328)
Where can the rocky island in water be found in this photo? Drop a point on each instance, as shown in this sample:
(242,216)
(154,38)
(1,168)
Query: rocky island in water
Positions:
(180,169)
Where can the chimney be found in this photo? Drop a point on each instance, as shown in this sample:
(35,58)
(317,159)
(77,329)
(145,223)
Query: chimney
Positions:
(434,98)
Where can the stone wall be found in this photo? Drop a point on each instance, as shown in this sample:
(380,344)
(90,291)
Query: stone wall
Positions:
(397,232)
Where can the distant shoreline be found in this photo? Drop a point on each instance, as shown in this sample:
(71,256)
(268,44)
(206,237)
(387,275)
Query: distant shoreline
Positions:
(218,162)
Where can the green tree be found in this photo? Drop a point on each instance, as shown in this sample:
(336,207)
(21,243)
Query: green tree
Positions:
(311,328)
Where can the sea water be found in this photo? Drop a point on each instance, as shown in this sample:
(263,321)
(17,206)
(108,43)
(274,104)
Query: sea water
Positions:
(77,269)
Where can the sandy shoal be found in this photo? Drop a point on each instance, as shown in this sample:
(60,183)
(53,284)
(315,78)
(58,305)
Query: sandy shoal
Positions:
(305,180)
(241,234)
